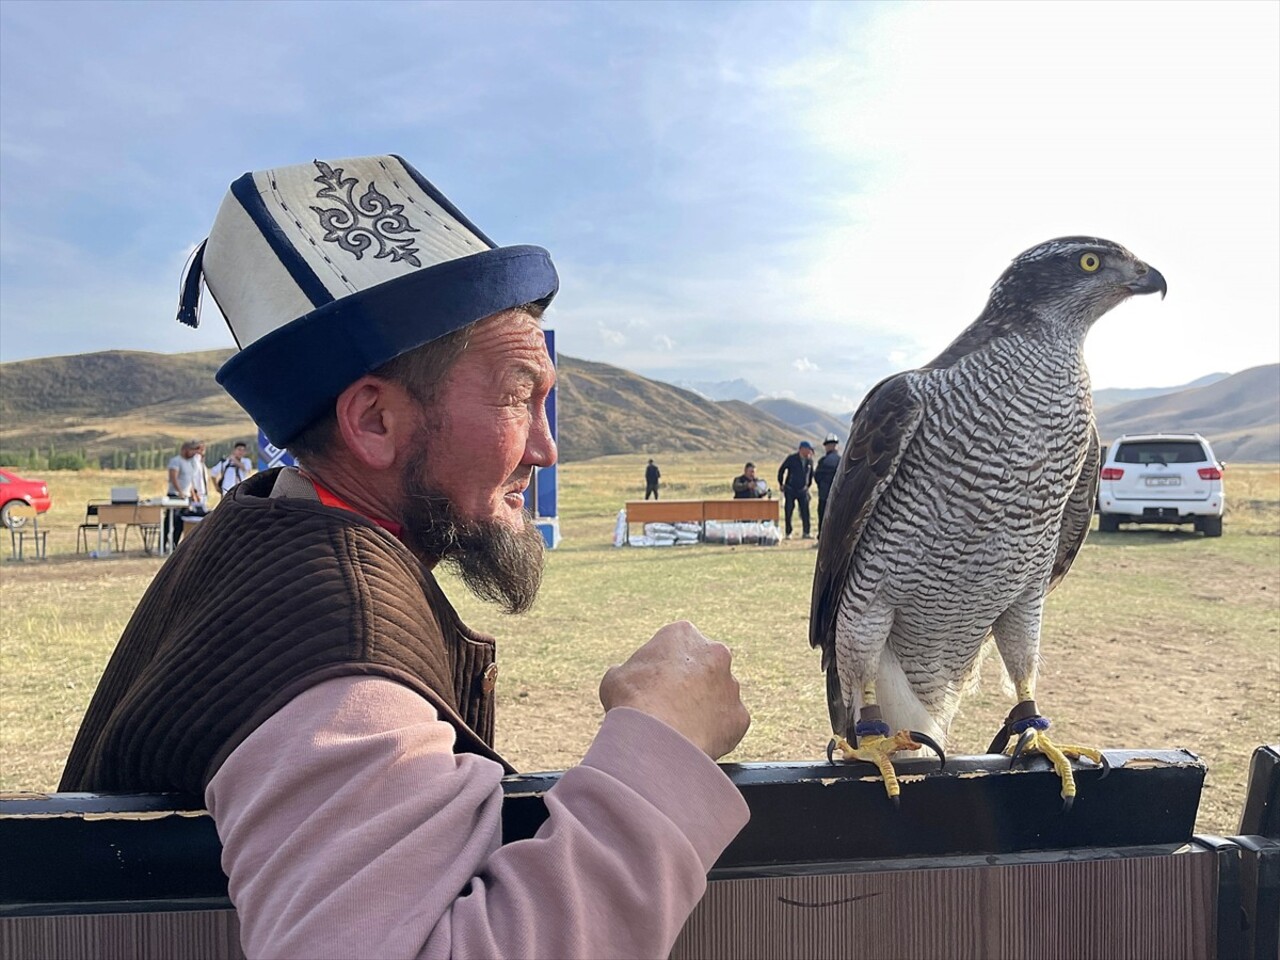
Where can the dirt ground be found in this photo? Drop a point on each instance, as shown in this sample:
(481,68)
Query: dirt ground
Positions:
(1157,639)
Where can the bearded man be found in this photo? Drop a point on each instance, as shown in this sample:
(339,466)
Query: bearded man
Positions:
(323,696)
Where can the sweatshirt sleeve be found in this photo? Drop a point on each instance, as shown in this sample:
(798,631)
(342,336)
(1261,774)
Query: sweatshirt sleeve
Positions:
(351,829)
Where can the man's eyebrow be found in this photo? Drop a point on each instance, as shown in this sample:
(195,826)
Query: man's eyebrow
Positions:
(534,374)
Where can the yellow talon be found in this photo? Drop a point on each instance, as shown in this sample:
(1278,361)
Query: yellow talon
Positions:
(1058,755)
(877,749)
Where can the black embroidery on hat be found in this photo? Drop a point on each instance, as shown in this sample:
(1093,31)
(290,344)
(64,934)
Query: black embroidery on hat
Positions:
(362,221)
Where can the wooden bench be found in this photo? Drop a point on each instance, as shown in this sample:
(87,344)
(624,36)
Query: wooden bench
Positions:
(700,511)
(664,511)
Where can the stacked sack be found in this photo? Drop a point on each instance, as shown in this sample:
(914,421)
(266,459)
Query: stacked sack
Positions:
(737,532)
(668,535)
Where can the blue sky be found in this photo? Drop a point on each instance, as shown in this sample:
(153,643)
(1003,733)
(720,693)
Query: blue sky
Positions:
(810,196)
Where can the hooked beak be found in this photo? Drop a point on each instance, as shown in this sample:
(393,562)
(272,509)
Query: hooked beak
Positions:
(1149,280)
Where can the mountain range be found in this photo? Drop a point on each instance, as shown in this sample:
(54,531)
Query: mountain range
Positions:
(1239,415)
(122,400)
(1114,396)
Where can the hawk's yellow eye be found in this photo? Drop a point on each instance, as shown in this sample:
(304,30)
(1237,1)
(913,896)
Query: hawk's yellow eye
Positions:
(1090,262)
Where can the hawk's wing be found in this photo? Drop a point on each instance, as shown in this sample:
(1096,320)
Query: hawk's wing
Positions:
(881,430)
(1078,513)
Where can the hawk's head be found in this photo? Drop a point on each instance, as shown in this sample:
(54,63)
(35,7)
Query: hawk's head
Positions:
(1071,281)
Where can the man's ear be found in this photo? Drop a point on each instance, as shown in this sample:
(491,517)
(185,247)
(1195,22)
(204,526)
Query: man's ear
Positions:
(374,418)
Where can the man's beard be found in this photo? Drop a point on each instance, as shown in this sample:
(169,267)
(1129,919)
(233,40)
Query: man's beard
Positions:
(497,563)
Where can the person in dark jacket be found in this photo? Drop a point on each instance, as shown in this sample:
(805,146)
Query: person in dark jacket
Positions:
(794,477)
(746,486)
(651,475)
(824,474)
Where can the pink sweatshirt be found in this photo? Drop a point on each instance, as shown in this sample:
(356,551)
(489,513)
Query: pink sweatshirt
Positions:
(351,829)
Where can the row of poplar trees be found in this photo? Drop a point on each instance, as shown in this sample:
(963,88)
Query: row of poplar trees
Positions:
(154,458)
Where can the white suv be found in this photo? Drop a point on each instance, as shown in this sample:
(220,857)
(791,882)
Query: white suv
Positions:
(1161,478)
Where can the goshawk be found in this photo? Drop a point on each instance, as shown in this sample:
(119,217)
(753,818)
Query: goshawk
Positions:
(964,494)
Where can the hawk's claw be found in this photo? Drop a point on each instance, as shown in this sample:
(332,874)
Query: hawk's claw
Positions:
(876,749)
(1025,738)
(1034,739)
(932,744)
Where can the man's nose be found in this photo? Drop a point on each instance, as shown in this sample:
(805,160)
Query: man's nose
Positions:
(540,448)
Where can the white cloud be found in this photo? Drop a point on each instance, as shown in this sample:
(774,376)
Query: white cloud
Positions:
(754,181)
(804,365)
(1157,129)
(608,335)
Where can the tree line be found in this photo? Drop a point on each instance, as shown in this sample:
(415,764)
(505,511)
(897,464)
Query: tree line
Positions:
(137,458)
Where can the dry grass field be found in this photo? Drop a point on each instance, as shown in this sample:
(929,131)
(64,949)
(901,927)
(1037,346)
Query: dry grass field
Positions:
(1158,638)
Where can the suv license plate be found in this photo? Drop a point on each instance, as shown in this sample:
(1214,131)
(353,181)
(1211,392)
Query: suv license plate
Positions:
(1164,481)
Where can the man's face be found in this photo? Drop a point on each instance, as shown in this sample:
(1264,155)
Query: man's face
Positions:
(806,452)
(489,426)
(240,451)
(749,473)
(464,483)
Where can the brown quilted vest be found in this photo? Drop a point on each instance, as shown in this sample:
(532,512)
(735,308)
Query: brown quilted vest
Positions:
(268,597)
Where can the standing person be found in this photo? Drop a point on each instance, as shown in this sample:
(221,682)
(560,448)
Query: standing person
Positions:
(202,478)
(184,469)
(344,745)
(794,476)
(233,468)
(746,486)
(824,473)
(651,475)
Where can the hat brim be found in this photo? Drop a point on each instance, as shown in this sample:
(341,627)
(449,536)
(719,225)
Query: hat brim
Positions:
(289,377)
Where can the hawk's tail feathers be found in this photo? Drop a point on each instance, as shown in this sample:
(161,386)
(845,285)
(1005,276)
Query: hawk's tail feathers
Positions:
(841,721)
(899,704)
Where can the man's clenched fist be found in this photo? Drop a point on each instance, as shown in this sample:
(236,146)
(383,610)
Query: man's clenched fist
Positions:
(684,680)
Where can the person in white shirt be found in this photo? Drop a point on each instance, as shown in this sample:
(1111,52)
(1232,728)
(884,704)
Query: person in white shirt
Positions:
(200,482)
(233,468)
(186,482)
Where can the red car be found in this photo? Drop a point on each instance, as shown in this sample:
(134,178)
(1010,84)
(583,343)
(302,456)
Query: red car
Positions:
(17,493)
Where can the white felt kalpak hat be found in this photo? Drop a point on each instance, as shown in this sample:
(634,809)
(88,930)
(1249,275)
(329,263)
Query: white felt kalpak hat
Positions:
(327,270)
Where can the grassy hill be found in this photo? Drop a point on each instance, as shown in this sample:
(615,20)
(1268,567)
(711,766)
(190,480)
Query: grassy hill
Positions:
(808,422)
(125,400)
(606,410)
(1239,415)
(104,384)
(1114,396)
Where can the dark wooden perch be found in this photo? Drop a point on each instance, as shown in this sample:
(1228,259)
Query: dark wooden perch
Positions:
(977,861)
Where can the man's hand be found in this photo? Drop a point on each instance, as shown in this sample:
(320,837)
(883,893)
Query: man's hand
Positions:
(684,680)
